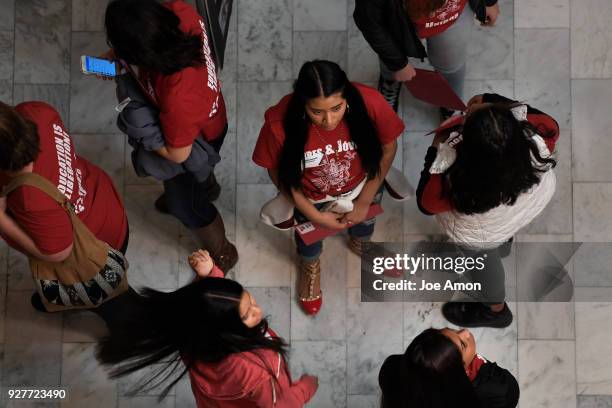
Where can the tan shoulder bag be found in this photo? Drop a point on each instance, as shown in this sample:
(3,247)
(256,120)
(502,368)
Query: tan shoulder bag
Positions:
(93,272)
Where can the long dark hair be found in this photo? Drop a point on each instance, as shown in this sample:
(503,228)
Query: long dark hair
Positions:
(430,374)
(146,34)
(199,323)
(324,78)
(496,162)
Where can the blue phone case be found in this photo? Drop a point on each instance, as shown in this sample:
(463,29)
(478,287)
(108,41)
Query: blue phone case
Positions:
(100,66)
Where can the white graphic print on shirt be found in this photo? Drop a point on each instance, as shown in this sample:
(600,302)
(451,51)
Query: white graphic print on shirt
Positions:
(211,70)
(65,157)
(448,12)
(213,82)
(328,172)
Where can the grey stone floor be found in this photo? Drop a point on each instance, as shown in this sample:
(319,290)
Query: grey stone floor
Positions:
(555,54)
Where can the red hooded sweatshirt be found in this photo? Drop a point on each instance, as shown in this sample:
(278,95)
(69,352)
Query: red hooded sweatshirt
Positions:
(253,379)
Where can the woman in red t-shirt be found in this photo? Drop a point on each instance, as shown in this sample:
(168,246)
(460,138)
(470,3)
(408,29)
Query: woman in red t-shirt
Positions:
(441,369)
(330,138)
(169,45)
(33,139)
(217,330)
(395,30)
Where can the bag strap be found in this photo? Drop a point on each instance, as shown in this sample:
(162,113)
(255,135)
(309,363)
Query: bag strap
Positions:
(143,88)
(37,181)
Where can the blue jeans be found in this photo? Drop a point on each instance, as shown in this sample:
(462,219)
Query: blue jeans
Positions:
(362,232)
(188,200)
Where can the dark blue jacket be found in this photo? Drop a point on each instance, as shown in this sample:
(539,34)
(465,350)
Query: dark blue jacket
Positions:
(139,120)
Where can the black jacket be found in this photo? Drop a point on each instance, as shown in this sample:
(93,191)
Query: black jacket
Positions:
(495,387)
(387,28)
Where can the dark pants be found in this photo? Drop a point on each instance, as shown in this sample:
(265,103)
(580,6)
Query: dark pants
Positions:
(361,231)
(121,309)
(188,200)
(492,277)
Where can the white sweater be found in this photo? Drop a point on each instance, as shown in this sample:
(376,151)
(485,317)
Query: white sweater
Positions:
(494,227)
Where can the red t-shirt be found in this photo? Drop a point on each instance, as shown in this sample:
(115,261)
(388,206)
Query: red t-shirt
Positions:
(332,165)
(440,20)
(86,186)
(190,101)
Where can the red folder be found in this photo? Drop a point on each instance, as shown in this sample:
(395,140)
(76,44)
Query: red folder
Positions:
(431,87)
(311,233)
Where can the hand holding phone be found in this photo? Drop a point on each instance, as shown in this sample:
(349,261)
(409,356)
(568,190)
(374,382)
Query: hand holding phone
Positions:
(98,66)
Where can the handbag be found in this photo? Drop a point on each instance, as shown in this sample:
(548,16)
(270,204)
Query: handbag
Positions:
(92,274)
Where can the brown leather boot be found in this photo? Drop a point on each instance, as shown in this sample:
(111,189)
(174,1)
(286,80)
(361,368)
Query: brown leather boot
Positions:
(309,286)
(213,239)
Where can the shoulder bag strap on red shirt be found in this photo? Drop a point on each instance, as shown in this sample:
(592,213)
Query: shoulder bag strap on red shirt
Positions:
(37,181)
(143,88)
(88,255)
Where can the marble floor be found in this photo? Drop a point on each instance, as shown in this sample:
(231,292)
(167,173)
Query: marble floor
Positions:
(555,54)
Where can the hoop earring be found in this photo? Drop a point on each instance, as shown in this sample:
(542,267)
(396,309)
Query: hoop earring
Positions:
(347,108)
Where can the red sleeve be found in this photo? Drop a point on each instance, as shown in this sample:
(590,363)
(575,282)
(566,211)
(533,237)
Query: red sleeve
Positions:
(296,395)
(45,222)
(216,272)
(430,198)
(179,117)
(304,390)
(388,125)
(546,127)
(268,148)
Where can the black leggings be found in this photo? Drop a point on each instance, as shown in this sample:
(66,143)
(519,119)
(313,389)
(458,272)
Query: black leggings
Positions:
(124,308)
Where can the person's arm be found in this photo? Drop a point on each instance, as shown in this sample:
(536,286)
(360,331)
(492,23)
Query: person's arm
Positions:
(369,18)
(364,200)
(12,231)
(273,174)
(203,265)
(296,395)
(176,155)
(430,198)
(546,127)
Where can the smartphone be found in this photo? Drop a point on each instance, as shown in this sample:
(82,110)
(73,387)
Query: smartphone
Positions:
(98,66)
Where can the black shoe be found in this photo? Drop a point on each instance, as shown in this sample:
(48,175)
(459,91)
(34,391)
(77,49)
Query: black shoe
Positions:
(390,90)
(476,314)
(37,302)
(161,204)
(446,113)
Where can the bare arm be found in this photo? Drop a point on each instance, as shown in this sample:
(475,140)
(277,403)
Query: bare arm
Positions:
(273,174)
(371,187)
(176,155)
